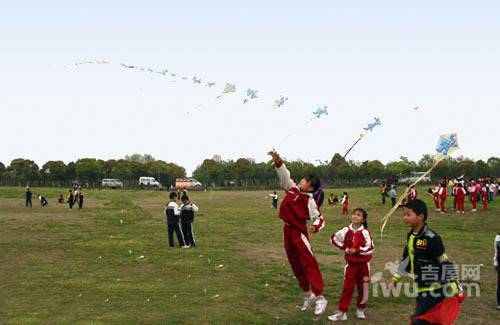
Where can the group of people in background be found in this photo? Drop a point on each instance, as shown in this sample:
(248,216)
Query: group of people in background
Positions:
(73,198)
(481,190)
(180,219)
(344,200)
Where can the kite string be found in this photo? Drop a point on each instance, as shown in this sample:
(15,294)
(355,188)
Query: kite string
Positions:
(385,219)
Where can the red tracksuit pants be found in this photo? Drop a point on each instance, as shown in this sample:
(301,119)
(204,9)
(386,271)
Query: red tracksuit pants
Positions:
(455,202)
(355,274)
(302,260)
(461,204)
(442,205)
(345,209)
(473,199)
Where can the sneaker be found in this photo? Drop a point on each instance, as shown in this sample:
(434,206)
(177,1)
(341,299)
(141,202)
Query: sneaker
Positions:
(320,307)
(338,316)
(185,246)
(474,210)
(498,307)
(437,210)
(307,302)
(442,212)
(360,314)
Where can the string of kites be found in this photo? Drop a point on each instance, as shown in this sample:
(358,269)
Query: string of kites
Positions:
(250,94)
(447,143)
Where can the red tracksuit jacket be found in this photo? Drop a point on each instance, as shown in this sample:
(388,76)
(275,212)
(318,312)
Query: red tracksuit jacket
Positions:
(359,239)
(297,207)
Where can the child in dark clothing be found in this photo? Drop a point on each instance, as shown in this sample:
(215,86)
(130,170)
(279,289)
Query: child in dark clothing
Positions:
(187,217)
(172,212)
(71,199)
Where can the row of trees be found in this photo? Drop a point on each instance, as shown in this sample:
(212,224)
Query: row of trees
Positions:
(90,171)
(243,172)
(247,173)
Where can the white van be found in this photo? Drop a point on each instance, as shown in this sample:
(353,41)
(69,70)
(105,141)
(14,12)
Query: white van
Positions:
(111,183)
(148,182)
(412,177)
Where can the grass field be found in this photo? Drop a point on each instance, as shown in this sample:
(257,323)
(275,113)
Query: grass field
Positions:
(109,263)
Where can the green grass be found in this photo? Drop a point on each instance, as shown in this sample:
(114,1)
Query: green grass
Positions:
(85,267)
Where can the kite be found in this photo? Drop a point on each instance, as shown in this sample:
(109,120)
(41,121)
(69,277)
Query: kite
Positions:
(163,72)
(416,108)
(173,75)
(228,88)
(280,102)
(251,94)
(184,78)
(196,80)
(211,84)
(447,144)
(320,111)
(372,125)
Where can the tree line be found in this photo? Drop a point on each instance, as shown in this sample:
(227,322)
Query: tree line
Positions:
(240,173)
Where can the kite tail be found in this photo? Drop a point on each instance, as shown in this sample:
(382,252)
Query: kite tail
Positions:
(385,219)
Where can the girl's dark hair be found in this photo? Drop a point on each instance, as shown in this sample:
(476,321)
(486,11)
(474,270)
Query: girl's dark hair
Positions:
(315,182)
(184,198)
(319,197)
(172,195)
(345,193)
(365,216)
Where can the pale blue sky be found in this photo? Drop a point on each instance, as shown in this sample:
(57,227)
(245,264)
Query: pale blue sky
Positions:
(362,58)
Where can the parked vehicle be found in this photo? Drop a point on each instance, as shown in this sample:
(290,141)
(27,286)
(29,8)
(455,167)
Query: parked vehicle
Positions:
(412,177)
(145,181)
(188,183)
(111,183)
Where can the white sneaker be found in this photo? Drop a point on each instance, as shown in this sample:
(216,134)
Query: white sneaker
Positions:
(338,316)
(308,301)
(320,307)
(437,210)
(473,210)
(186,246)
(360,314)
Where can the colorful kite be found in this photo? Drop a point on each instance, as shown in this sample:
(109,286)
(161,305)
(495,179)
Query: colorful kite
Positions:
(251,94)
(228,88)
(320,111)
(372,125)
(280,102)
(447,144)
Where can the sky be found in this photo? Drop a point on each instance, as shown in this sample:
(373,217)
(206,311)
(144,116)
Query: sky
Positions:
(363,59)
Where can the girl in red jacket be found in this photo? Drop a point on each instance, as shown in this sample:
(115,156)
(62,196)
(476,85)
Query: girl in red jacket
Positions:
(297,207)
(345,203)
(356,241)
(460,197)
(443,194)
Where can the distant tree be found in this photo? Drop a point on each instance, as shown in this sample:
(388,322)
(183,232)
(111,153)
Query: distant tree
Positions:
(143,159)
(121,169)
(166,173)
(482,169)
(55,171)
(466,167)
(88,169)
(2,169)
(23,170)
(494,164)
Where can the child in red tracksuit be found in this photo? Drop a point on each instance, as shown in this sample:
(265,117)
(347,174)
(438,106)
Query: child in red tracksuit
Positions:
(484,196)
(345,203)
(412,194)
(297,207)
(356,241)
(443,194)
(473,195)
(460,197)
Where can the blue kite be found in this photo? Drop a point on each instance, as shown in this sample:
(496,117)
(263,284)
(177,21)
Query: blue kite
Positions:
(196,80)
(251,94)
(320,111)
(447,144)
(280,102)
(372,125)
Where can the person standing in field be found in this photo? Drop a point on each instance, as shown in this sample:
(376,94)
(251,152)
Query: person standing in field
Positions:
(460,198)
(383,191)
(443,195)
(71,199)
(297,207)
(345,203)
(435,196)
(393,195)
(79,198)
(274,197)
(172,212)
(484,196)
(188,210)
(356,242)
(472,195)
(28,197)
